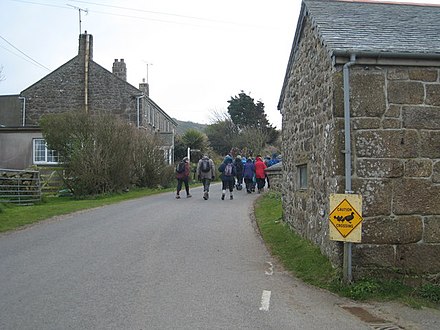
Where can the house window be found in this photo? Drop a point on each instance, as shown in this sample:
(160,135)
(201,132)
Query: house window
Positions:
(43,155)
(302,176)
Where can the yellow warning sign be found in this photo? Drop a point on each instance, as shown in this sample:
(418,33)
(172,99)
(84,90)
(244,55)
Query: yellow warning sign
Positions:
(345,217)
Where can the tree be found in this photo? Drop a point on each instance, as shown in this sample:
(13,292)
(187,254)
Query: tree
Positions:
(221,135)
(251,140)
(195,140)
(192,139)
(180,150)
(245,113)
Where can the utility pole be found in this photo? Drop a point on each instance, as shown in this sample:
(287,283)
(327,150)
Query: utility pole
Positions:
(79,14)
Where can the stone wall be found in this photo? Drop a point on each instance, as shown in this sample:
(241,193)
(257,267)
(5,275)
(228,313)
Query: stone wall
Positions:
(275,176)
(395,157)
(309,138)
(63,90)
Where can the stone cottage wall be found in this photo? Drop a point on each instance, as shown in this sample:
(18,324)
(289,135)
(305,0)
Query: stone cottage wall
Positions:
(109,93)
(396,167)
(395,157)
(63,90)
(308,138)
(60,91)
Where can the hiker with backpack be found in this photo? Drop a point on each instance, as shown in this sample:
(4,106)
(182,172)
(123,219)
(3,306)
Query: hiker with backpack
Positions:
(239,169)
(205,172)
(228,173)
(260,173)
(182,175)
(248,174)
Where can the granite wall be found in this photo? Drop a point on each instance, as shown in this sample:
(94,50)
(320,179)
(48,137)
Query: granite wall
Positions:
(395,131)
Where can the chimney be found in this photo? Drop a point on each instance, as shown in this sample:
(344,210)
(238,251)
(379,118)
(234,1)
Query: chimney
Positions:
(120,69)
(85,45)
(144,87)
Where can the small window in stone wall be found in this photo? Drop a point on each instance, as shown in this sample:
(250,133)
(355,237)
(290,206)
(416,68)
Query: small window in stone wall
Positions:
(302,176)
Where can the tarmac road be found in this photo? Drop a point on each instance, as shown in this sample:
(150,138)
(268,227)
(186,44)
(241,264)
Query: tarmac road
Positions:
(162,263)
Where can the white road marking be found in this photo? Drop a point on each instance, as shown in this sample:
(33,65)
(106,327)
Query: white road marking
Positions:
(265,301)
(270,271)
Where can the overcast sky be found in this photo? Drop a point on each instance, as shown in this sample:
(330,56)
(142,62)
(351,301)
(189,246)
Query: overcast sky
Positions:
(198,53)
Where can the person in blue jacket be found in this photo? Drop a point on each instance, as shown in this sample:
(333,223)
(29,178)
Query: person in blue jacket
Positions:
(248,174)
(228,173)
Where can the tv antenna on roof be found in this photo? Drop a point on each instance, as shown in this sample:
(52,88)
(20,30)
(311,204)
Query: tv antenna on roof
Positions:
(148,64)
(79,13)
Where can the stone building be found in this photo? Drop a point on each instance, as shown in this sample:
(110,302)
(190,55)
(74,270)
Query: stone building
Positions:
(371,70)
(79,84)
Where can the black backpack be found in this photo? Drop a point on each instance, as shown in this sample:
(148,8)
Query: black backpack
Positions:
(180,168)
(205,166)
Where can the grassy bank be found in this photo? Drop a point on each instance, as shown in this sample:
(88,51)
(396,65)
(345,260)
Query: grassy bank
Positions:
(306,262)
(13,216)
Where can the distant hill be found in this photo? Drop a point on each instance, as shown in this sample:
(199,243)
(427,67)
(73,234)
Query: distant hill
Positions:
(183,126)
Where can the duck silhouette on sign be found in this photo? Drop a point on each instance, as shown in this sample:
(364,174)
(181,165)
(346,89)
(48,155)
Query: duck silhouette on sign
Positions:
(347,218)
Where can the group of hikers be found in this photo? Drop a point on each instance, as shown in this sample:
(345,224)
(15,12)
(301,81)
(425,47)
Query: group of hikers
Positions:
(232,174)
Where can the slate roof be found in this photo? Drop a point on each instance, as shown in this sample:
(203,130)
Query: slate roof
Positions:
(366,27)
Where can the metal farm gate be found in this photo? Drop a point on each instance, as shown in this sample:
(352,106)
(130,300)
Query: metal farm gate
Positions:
(20,186)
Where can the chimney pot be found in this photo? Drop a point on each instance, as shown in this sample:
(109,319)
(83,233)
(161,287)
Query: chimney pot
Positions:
(120,69)
(85,44)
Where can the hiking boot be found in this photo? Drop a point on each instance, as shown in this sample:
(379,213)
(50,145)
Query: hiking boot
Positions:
(223,197)
(205,195)
(177,196)
(188,196)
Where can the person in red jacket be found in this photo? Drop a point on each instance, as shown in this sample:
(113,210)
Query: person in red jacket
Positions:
(260,174)
(182,175)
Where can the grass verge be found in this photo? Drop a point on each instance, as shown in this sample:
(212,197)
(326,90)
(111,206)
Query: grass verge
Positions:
(13,216)
(306,262)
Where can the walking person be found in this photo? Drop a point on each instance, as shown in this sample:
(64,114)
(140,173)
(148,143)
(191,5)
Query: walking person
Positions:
(205,172)
(248,174)
(228,173)
(260,173)
(182,176)
(239,169)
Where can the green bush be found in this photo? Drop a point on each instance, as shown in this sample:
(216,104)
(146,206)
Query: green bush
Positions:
(103,154)
(431,292)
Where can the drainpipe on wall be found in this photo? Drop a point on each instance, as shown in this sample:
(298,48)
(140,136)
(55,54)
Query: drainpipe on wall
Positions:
(137,108)
(86,74)
(348,277)
(23,110)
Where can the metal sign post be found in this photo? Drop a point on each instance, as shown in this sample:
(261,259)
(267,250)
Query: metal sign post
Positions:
(345,221)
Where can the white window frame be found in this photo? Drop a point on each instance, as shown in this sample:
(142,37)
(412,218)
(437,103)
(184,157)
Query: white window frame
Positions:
(49,155)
